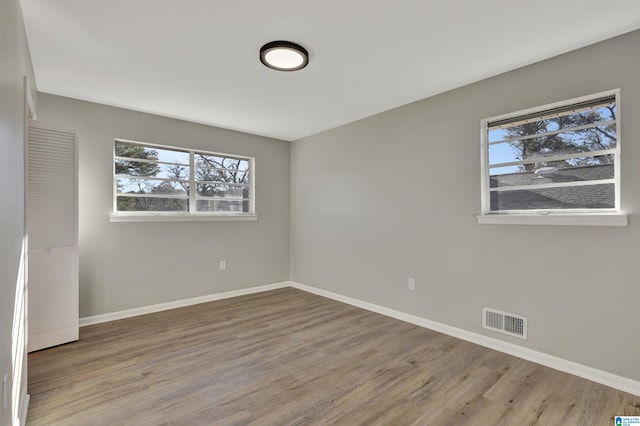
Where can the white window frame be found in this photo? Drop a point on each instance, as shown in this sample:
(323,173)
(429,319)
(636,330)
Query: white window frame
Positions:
(192,214)
(587,217)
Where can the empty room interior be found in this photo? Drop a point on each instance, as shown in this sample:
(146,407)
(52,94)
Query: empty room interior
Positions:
(265,213)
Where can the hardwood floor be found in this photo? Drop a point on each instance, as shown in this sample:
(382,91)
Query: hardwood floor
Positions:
(286,357)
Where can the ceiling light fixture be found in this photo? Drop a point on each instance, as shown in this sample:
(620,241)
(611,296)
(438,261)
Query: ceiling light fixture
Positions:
(284,56)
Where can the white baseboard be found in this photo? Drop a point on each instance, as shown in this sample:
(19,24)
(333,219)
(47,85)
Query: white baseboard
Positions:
(128,313)
(24,408)
(609,379)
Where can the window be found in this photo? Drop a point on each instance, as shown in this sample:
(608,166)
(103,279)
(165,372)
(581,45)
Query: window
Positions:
(154,180)
(562,158)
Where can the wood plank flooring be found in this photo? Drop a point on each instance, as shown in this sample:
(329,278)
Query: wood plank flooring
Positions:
(287,357)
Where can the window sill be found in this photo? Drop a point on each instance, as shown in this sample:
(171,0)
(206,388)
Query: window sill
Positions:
(604,219)
(119,217)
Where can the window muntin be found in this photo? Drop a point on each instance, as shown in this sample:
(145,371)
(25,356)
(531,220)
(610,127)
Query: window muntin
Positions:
(154,169)
(153,178)
(558,158)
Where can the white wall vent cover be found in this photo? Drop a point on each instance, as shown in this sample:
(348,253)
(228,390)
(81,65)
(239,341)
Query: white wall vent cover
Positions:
(503,322)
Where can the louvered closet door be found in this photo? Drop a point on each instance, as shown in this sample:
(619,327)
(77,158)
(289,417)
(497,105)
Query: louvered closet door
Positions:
(52,230)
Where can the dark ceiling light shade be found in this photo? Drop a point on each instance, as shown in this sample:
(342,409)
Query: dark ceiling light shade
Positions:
(284,56)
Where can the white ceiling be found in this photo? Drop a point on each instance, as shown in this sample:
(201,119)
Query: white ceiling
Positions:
(197,60)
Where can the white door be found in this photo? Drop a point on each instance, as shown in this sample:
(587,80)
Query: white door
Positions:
(52,230)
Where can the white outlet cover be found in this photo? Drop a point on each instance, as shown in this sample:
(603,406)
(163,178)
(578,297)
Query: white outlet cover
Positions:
(412,284)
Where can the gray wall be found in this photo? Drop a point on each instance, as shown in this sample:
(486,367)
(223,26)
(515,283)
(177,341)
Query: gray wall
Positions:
(129,265)
(15,63)
(394,196)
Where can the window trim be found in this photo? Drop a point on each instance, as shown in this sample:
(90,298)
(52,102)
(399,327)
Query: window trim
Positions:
(596,219)
(587,217)
(178,216)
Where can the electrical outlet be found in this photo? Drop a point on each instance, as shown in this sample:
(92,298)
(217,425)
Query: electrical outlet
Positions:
(411,284)
(223,265)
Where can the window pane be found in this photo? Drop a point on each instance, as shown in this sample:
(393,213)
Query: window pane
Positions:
(136,204)
(148,186)
(574,170)
(147,152)
(222,206)
(213,175)
(218,190)
(579,197)
(217,161)
(136,168)
(587,140)
(542,139)
(550,120)
(131,150)
(156,178)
